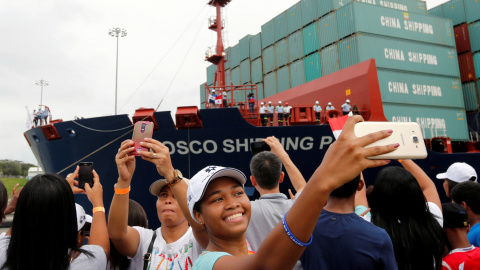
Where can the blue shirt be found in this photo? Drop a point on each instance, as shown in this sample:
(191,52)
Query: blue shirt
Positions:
(207,260)
(347,241)
(474,235)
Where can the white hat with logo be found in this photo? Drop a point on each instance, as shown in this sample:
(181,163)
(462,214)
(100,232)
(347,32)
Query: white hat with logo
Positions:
(82,218)
(458,172)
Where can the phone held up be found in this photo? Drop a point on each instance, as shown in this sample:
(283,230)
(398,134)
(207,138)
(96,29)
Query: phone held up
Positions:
(142,130)
(85,174)
(407,134)
(259,146)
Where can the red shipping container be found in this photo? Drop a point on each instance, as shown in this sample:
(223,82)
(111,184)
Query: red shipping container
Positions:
(462,39)
(467,68)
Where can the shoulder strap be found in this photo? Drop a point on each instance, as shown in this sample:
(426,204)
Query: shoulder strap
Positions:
(148,256)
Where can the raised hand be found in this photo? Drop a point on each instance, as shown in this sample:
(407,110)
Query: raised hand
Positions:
(74,183)
(125,162)
(276,147)
(95,193)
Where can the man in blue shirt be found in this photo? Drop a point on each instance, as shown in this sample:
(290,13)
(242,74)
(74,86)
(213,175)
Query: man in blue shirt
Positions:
(467,194)
(344,240)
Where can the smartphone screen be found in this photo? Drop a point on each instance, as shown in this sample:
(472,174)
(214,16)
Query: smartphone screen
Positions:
(142,130)
(259,146)
(85,174)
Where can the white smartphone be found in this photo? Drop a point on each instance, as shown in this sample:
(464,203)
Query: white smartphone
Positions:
(407,134)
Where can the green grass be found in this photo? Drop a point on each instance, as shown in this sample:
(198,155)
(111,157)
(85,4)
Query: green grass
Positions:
(11,182)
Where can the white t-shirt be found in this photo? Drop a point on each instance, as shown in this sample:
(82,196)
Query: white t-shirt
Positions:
(182,253)
(82,262)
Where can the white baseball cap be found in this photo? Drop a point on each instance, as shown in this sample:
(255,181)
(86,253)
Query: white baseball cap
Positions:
(199,182)
(82,218)
(329,103)
(458,172)
(261,103)
(213,90)
(279,102)
(316,102)
(269,102)
(157,186)
(348,101)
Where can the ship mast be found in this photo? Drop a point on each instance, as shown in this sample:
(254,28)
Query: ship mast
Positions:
(218,57)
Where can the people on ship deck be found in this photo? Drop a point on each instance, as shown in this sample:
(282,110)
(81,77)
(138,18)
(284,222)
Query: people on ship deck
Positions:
(279,110)
(270,110)
(346,107)
(317,109)
(251,103)
(262,111)
(287,113)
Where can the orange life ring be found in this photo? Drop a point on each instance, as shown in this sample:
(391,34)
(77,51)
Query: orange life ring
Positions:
(332,114)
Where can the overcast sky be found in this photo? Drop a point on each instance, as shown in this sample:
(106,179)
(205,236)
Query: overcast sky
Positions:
(67,44)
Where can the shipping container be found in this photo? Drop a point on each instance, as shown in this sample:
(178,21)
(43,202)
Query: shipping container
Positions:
(398,54)
(268,59)
(419,89)
(472,10)
(244,47)
(235,56)
(294,18)
(283,79)
(202,96)
(474,33)
(257,72)
(245,71)
(295,46)
(330,61)
(470,94)
(211,74)
(236,78)
(239,96)
(256,46)
(280,26)
(327,29)
(310,39)
(227,57)
(270,84)
(261,95)
(228,76)
(455,11)
(434,121)
(462,39)
(313,69)
(309,11)
(281,53)
(467,69)
(297,73)
(267,34)
(393,23)
(415,6)
(437,11)
(476,63)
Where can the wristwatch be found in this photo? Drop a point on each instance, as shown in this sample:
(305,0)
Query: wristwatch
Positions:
(177,177)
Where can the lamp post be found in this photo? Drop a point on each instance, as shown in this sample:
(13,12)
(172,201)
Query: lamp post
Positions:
(118,33)
(42,83)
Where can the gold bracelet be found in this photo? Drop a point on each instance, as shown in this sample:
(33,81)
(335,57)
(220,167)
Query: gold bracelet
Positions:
(121,191)
(98,209)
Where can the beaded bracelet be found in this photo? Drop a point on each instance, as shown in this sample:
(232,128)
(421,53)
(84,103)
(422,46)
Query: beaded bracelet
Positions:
(292,237)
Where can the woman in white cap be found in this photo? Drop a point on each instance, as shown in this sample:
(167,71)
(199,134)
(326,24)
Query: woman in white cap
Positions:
(217,201)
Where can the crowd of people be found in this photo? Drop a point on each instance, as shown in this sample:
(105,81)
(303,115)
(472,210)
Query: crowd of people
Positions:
(333,221)
(42,116)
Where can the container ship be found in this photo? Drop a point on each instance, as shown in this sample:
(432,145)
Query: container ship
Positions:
(394,59)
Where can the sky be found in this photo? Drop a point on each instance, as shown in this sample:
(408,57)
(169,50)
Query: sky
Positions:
(67,44)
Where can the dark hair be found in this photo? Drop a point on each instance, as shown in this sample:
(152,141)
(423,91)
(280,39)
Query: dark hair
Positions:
(468,192)
(347,190)
(46,197)
(266,167)
(398,206)
(3,200)
(136,217)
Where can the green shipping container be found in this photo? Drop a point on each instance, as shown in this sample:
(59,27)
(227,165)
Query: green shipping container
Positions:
(309,11)
(419,7)
(420,89)
(327,29)
(202,96)
(236,76)
(257,72)
(270,84)
(313,68)
(268,59)
(267,34)
(434,121)
(310,39)
(472,10)
(283,79)
(280,28)
(295,46)
(235,56)
(256,46)
(245,71)
(455,11)
(211,74)
(228,76)
(227,57)
(470,94)
(399,54)
(294,18)
(330,59)
(239,96)
(244,46)
(474,33)
(437,11)
(261,95)
(476,64)
(388,22)
(297,73)
(281,53)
